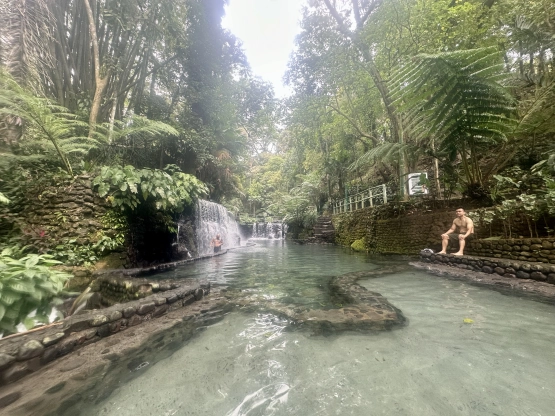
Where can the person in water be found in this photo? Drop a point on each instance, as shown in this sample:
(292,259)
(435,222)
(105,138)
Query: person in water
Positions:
(217,243)
(462,231)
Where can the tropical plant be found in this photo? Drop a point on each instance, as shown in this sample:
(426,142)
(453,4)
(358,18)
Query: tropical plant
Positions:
(456,98)
(168,189)
(53,129)
(299,207)
(27,284)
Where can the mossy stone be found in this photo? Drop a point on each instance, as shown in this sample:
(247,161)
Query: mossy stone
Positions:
(359,245)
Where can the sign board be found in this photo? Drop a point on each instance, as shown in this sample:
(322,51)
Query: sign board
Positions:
(415,187)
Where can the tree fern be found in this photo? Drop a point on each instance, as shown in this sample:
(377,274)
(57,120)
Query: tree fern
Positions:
(385,152)
(48,128)
(457,98)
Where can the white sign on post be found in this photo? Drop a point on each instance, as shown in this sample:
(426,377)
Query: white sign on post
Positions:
(415,187)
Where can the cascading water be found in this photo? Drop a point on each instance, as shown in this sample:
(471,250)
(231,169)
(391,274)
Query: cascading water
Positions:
(213,219)
(182,245)
(268,230)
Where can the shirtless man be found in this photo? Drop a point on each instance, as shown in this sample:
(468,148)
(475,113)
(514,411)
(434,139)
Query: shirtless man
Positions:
(462,230)
(217,243)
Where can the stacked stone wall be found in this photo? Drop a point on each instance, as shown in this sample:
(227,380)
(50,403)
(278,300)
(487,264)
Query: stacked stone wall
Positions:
(410,234)
(512,269)
(411,230)
(405,234)
(522,249)
(51,215)
(352,226)
(26,353)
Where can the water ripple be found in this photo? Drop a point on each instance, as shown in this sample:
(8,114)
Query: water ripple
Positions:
(269,397)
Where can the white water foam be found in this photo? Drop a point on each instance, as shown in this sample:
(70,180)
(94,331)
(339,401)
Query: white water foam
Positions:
(213,219)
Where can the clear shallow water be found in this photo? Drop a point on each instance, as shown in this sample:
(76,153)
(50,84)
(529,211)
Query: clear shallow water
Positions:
(249,364)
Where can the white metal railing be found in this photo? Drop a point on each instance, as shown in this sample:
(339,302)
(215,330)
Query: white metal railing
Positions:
(368,198)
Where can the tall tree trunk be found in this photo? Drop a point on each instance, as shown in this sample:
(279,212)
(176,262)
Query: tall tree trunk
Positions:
(354,35)
(100,83)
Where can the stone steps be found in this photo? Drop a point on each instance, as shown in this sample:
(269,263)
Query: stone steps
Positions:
(324,230)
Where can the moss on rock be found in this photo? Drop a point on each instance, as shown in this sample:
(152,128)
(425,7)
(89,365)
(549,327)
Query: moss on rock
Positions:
(359,245)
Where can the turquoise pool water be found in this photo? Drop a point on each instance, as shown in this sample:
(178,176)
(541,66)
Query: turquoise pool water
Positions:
(251,363)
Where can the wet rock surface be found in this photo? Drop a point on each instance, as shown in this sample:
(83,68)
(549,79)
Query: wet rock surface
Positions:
(90,374)
(26,353)
(510,268)
(362,309)
(357,309)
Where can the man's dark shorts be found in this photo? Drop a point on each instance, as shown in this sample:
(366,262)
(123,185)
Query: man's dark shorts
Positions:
(217,249)
(454,237)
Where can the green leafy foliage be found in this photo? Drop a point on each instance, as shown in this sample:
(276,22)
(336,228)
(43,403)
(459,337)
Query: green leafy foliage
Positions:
(168,189)
(527,194)
(299,207)
(27,284)
(457,98)
(50,129)
(71,253)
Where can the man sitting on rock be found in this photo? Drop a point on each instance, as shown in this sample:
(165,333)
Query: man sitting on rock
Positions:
(461,230)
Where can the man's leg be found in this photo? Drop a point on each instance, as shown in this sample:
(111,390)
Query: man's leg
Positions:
(462,243)
(444,243)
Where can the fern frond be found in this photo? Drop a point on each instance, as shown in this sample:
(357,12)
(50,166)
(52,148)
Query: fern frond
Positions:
(455,95)
(386,152)
(53,128)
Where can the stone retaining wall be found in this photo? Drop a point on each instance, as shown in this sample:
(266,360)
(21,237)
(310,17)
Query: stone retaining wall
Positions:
(53,215)
(410,231)
(116,289)
(512,269)
(523,249)
(28,352)
(406,234)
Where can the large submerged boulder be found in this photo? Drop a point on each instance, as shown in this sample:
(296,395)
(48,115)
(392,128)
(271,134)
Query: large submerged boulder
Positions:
(360,310)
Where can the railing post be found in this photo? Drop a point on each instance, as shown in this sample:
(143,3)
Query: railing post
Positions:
(350,203)
(371,203)
(384,190)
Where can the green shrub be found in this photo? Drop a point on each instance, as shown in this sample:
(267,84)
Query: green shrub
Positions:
(168,189)
(27,284)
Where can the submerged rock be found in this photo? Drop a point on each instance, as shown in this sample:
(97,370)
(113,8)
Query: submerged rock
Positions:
(361,309)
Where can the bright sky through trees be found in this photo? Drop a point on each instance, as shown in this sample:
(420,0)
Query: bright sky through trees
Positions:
(267,29)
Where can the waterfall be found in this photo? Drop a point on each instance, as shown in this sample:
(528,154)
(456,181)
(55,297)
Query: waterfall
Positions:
(269,230)
(213,219)
(182,246)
